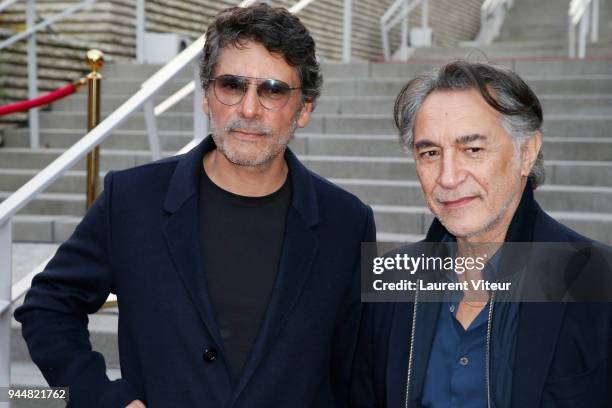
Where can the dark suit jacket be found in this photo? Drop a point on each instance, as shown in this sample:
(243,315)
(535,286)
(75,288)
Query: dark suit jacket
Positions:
(140,240)
(562,356)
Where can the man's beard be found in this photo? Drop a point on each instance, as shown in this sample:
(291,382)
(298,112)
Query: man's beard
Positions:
(261,158)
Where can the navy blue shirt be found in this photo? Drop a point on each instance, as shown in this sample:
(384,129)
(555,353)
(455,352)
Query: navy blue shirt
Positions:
(456,370)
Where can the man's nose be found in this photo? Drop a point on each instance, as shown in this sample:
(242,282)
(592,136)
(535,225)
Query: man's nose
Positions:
(250,106)
(451,172)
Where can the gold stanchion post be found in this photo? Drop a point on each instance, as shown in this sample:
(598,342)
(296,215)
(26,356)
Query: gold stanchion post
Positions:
(95,60)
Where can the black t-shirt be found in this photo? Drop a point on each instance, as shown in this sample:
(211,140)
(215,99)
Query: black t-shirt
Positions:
(241,240)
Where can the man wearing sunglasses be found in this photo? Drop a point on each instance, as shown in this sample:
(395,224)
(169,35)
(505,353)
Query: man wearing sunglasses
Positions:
(235,267)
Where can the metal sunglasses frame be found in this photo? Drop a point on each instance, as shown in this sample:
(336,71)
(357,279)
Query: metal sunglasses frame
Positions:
(258,81)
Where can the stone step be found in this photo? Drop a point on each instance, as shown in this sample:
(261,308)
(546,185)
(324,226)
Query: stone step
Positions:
(491,52)
(533,31)
(524,66)
(513,45)
(142,72)
(126,86)
(65,204)
(24,158)
(78,103)
(545,84)
(372,124)
(72,182)
(43,228)
(119,140)
(381,86)
(598,104)
(578,126)
(172,121)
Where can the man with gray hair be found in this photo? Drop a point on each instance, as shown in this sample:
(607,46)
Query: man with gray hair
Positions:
(475,132)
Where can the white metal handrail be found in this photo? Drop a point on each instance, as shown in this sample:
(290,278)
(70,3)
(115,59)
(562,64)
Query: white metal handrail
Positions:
(492,16)
(7,3)
(24,195)
(583,14)
(30,34)
(399,12)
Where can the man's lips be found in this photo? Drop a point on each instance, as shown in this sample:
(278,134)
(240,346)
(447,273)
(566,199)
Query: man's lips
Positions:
(452,204)
(247,135)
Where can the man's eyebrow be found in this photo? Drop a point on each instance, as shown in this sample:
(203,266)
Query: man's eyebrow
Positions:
(421,144)
(465,139)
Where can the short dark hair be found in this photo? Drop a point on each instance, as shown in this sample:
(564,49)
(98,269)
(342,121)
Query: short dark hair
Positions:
(276,29)
(498,85)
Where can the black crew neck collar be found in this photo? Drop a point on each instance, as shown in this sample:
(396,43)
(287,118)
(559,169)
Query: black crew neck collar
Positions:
(272,197)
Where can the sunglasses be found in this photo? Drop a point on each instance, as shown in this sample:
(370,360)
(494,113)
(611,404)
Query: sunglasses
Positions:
(271,93)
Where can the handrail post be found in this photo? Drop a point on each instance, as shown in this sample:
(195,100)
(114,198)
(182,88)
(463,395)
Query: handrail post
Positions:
(140,30)
(404,31)
(347,28)
(595,21)
(152,131)
(583,32)
(33,118)
(425,14)
(95,59)
(571,37)
(200,120)
(6,276)
(385,41)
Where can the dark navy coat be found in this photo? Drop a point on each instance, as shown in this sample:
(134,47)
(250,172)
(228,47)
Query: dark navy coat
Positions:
(562,355)
(140,240)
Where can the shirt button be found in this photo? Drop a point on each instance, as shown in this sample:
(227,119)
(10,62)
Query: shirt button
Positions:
(464,361)
(452,309)
(209,355)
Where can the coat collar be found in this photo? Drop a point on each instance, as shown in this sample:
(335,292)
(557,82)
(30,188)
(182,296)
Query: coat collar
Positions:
(184,183)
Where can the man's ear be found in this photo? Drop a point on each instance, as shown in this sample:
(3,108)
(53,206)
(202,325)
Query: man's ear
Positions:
(304,117)
(529,153)
(205,106)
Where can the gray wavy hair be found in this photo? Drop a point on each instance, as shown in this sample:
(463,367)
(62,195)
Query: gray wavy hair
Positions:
(499,86)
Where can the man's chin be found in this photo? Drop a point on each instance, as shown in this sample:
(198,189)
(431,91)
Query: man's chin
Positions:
(249,159)
(249,154)
(462,228)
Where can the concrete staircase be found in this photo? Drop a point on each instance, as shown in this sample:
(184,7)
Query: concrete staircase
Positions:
(351,140)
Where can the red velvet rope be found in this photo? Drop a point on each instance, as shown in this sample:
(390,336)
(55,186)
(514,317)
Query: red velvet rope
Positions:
(45,99)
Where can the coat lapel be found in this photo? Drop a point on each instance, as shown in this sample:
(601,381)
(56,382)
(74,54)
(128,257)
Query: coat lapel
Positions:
(182,239)
(397,367)
(300,246)
(182,235)
(537,336)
